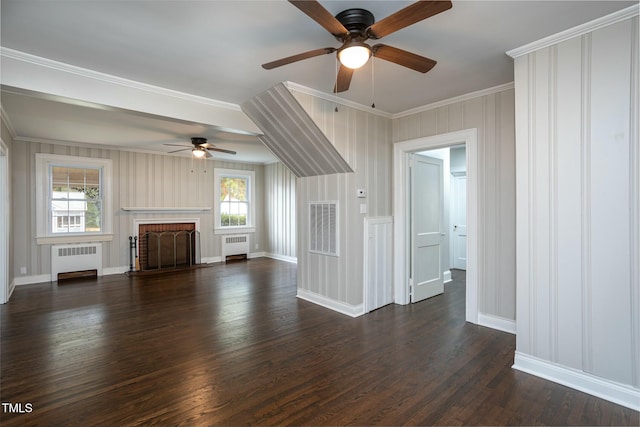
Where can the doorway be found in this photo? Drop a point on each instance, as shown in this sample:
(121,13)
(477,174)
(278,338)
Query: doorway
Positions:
(402,236)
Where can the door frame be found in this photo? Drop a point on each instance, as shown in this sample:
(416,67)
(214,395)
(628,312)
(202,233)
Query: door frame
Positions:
(454,176)
(5,291)
(401,232)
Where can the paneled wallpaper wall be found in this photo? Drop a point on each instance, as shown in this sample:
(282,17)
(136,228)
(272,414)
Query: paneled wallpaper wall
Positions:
(578,206)
(493,116)
(364,140)
(139,180)
(280,211)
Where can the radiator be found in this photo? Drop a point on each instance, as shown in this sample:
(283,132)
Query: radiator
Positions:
(67,258)
(235,244)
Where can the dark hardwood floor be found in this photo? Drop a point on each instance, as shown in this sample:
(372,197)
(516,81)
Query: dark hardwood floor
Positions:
(232,345)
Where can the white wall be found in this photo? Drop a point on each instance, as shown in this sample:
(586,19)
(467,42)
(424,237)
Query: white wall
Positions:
(140,180)
(363,139)
(493,115)
(578,296)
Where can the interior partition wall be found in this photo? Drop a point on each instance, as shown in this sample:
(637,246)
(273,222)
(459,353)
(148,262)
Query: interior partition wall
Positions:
(578,296)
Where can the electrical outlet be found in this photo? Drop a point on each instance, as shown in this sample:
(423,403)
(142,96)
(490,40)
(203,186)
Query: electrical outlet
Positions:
(256,246)
(23,270)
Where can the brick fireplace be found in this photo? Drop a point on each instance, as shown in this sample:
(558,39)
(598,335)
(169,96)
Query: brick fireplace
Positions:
(168,245)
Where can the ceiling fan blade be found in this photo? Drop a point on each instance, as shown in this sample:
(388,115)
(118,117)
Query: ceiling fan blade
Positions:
(322,16)
(404,17)
(344,79)
(403,57)
(207,154)
(221,150)
(298,57)
(177,145)
(177,151)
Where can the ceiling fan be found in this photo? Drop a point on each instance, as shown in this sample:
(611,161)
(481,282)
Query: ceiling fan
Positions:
(200,148)
(353,27)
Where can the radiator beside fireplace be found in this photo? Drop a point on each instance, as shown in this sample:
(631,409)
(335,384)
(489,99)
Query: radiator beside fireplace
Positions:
(76,257)
(234,245)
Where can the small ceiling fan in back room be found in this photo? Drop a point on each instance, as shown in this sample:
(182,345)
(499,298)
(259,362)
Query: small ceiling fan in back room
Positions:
(353,27)
(200,148)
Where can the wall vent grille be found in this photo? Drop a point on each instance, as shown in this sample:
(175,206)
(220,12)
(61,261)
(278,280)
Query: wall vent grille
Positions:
(77,251)
(236,239)
(323,231)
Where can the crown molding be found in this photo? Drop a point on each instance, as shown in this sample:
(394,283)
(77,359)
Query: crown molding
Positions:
(96,75)
(336,99)
(455,99)
(580,30)
(120,148)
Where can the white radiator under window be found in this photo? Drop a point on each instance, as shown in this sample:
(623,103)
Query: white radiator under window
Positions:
(235,244)
(80,257)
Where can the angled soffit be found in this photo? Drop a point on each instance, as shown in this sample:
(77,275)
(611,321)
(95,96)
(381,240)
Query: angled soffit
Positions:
(292,136)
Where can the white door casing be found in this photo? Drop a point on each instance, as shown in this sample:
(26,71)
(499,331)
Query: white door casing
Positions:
(4,224)
(459,221)
(427,210)
(401,234)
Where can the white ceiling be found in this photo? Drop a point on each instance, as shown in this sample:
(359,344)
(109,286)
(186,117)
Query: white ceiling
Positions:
(214,49)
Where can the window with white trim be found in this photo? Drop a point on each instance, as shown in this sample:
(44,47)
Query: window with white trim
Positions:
(73,198)
(234,200)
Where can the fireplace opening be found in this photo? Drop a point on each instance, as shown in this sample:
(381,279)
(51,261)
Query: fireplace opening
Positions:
(168,246)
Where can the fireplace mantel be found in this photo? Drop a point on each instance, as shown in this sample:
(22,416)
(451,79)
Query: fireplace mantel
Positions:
(165,210)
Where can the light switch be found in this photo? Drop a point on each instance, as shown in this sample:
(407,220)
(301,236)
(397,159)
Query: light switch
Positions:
(363,208)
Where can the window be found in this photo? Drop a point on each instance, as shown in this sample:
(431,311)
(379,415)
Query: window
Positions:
(73,199)
(234,196)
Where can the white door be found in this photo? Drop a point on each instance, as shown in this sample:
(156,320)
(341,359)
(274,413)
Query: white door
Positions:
(427,209)
(459,222)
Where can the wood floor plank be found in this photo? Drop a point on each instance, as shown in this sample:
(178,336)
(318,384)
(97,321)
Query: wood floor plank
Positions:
(231,344)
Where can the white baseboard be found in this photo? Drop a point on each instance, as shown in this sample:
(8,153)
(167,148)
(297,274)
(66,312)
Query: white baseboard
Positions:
(257,255)
(291,259)
(12,287)
(579,380)
(30,280)
(446,276)
(496,322)
(115,270)
(210,260)
(340,307)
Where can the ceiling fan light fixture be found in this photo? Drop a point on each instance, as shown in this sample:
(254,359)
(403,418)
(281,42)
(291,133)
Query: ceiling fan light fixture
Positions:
(198,152)
(354,55)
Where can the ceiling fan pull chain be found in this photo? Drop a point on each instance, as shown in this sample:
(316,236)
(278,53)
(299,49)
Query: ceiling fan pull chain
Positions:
(336,80)
(373,86)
